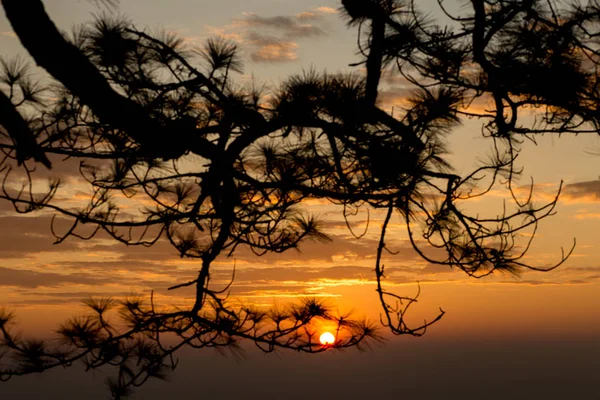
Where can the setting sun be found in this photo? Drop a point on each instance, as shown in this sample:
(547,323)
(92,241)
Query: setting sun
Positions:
(327,339)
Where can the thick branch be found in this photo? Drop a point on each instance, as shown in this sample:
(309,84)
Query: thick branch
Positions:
(69,66)
(20,133)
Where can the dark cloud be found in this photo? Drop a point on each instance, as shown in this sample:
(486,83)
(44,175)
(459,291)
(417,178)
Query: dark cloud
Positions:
(394,78)
(22,236)
(111,267)
(6,208)
(161,250)
(58,298)
(34,279)
(582,269)
(63,169)
(291,27)
(583,189)
(271,49)
(357,225)
(27,279)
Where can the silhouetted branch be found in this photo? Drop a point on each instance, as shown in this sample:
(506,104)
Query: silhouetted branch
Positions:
(134,107)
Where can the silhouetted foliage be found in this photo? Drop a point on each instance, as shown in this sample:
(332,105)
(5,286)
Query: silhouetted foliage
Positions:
(213,166)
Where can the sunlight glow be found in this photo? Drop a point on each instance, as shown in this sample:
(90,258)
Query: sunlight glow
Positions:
(327,339)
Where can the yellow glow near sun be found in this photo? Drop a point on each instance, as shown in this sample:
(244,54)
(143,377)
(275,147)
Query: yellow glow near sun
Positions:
(327,339)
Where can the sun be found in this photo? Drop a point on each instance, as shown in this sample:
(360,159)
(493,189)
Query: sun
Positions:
(327,339)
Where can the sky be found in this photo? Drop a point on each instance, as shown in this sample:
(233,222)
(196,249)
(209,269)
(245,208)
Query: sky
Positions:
(536,336)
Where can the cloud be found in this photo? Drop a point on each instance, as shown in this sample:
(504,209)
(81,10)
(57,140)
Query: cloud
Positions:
(66,170)
(326,10)
(587,192)
(290,27)
(114,266)
(583,191)
(162,250)
(582,269)
(274,39)
(269,49)
(397,93)
(101,281)
(22,236)
(26,278)
(302,281)
(587,215)
(545,282)
(395,97)
(57,298)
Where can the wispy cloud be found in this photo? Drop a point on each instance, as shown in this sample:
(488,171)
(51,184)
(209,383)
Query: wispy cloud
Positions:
(9,34)
(584,216)
(326,10)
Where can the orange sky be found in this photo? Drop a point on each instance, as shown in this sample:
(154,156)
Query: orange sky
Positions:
(34,272)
